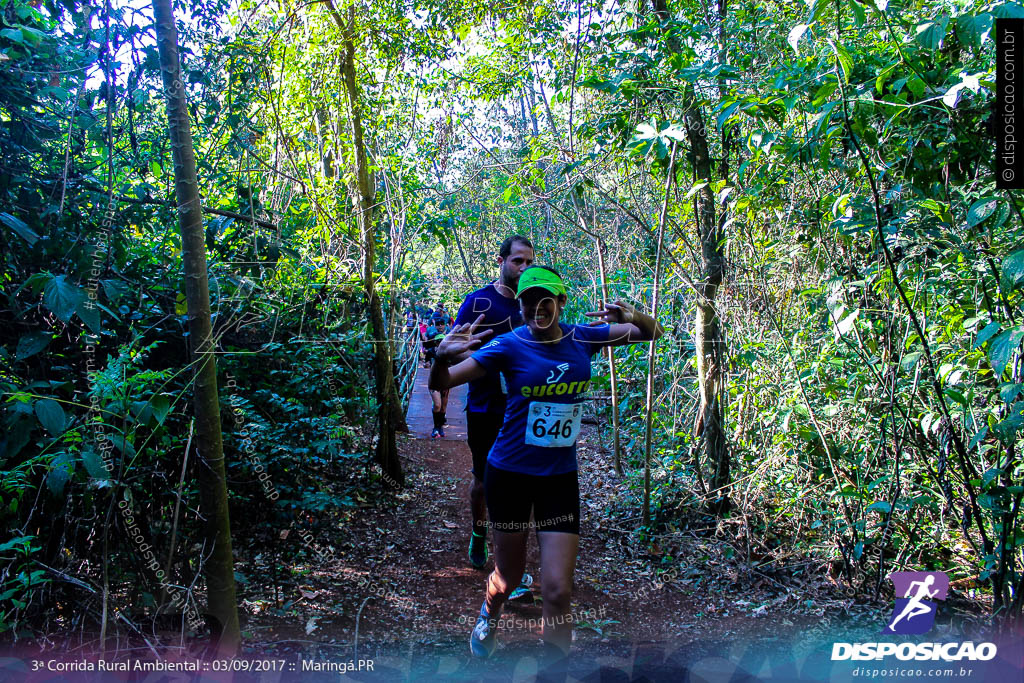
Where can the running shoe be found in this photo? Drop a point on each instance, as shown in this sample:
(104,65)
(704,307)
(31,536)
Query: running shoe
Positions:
(434,433)
(483,639)
(440,432)
(522,592)
(477,550)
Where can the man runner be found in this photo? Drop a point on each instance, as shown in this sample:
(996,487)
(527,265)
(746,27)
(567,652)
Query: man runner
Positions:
(485,403)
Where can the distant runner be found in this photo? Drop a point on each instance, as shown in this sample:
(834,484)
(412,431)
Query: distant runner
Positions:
(532,467)
(438,399)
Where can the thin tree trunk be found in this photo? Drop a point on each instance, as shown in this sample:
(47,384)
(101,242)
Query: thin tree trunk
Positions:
(708,333)
(389,410)
(218,569)
(651,357)
(458,243)
(611,363)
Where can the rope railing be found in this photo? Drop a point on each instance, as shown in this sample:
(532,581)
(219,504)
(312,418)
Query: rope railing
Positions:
(407,353)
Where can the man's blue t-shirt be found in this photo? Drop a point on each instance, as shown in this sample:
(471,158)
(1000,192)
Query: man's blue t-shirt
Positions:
(546,387)
(501,314)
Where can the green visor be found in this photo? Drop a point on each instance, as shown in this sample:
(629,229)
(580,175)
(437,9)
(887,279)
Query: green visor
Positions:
(540,277)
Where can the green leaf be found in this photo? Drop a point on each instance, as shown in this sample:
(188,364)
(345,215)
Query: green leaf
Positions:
(23,541)
(161,405)
(986,334)
(61,297)
(989,476)
(50,415)
(911,360)
(956,396)
(845,61)
(1013,270)
(980,210)
(19,433)
(1003,346)
(916,86)
(929,34)
(32,35)
(122,444)
(13,34)
(1007,429)
(859,16)
(1008,10)
(17,225)
(883,76)
(1009,390)
(881,506)
(61,469)
(973,30)
(816,8)
(30,344)
(94,465)
(89,313)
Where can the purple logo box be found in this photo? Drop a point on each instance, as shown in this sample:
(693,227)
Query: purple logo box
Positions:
(917,594)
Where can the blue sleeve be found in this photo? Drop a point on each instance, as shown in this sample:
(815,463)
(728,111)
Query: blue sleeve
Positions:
(593,338)
(460,317)
(493,354)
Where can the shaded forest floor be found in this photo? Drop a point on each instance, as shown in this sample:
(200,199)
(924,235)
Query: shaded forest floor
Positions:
(391,582)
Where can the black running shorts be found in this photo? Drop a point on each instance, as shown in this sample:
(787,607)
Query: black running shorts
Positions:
(554,500)
(481,433)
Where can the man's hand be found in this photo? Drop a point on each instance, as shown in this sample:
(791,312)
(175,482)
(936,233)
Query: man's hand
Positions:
(619,312)
(462,341)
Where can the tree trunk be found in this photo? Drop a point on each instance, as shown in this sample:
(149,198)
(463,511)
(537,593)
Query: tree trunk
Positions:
(652,358)
(218,569)
(617,446)
(389,409)
(708,334)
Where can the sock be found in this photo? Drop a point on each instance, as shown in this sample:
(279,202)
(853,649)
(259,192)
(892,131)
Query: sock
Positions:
(437,420)
(442,418)
(493,602)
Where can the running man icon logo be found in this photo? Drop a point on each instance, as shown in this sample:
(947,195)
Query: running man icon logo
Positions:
(561,368)
(914,613)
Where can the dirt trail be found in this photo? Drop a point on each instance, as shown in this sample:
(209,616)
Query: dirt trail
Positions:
(402,578)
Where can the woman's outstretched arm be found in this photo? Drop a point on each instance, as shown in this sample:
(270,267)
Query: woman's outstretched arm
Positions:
(443,377)
(627,325)
(453,366)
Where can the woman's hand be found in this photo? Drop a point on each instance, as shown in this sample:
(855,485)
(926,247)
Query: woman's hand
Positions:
(619,312)
(462,341)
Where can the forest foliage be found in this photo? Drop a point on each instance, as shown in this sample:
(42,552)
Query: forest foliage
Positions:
(866,363)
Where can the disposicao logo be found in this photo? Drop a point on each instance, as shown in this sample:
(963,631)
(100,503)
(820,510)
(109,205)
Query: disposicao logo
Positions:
(914,614)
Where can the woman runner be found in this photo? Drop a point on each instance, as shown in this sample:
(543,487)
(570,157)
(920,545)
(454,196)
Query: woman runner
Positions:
(532,465)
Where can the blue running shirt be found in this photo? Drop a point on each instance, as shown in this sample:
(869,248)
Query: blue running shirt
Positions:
(546,387)
(501,314)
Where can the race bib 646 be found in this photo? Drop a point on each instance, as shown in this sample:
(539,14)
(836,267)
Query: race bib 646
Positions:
(550,425)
